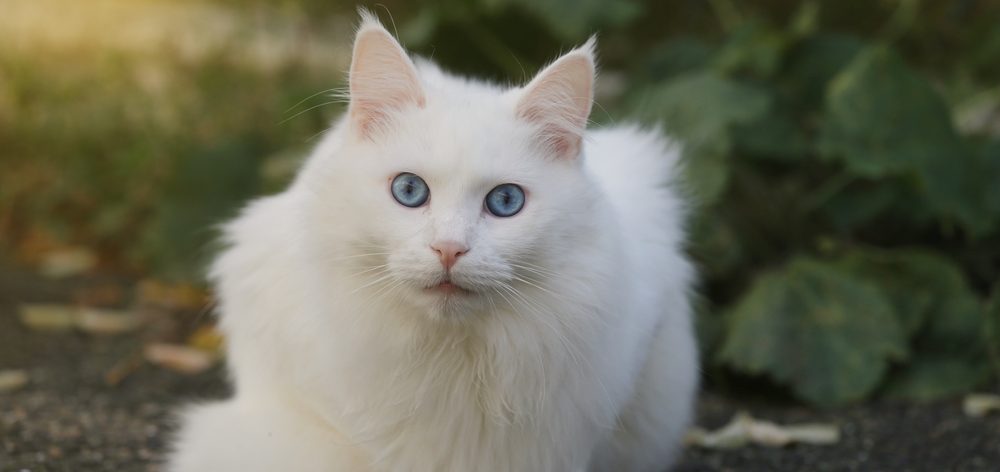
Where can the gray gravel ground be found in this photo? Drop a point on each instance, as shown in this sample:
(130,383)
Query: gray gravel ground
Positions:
(68,419)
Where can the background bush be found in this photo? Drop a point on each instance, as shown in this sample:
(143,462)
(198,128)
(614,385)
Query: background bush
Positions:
(844,156)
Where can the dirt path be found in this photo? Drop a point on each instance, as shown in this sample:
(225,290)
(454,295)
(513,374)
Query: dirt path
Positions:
(68,419)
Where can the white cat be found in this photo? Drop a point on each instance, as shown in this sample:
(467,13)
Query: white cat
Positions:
(460,279)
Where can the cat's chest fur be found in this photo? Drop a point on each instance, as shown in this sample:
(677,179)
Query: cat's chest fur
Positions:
(460,408)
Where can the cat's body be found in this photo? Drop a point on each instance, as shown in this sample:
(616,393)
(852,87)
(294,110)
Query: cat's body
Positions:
(564,344)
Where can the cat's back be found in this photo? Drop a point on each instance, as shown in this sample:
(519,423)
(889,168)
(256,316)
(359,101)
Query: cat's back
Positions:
(637,169)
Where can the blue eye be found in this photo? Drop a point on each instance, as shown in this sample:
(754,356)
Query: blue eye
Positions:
(505,200)
(410,190)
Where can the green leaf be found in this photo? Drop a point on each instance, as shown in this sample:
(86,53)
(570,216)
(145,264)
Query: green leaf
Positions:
(915,281)
(957,323)
(700,108)
(930,377)
(828,336)
(883,119)
(936,307)
(951,355)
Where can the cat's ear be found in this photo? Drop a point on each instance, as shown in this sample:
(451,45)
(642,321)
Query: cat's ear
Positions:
(559,98)
(383,79)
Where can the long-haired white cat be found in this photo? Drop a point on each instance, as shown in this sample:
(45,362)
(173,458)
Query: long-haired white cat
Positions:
(461,278)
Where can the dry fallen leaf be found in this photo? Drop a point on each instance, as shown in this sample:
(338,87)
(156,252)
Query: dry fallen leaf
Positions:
(980,404)
(51,317)
(67,262)
(177,296)
(179,358)
(47,317)
(101,321)
(11,380)
(744,429)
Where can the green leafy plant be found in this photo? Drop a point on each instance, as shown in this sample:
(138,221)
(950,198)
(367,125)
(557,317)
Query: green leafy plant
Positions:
(838,170)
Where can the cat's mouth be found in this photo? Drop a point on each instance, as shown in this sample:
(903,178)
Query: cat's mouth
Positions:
(448,287)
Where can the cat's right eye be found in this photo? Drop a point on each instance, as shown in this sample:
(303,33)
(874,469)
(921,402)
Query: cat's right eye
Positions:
(409,190)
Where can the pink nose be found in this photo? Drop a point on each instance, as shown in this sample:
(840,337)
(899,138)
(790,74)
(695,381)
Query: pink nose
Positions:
(449,252)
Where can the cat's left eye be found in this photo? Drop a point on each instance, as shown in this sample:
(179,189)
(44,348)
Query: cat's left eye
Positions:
(410,190)
(505,200)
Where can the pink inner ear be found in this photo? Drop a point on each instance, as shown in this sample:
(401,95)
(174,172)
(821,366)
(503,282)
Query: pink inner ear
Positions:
(559,139)
(564,144)
(370,115)
(365,116)
(383,80)
(559,101)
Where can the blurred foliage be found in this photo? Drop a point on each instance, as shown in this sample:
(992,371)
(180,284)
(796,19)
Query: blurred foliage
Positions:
(845,156)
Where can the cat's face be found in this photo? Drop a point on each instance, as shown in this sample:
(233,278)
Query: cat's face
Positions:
(454,197)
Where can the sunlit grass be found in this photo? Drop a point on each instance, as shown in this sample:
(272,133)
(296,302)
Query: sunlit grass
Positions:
(263,37)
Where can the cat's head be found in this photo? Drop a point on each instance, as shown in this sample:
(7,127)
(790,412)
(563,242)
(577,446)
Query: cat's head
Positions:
(452,196)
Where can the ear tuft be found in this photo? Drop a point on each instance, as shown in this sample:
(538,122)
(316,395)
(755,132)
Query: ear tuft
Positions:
(368,19)
(559,98)
(383,79)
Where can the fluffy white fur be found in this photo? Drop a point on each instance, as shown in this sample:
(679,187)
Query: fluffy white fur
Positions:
(572,349)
